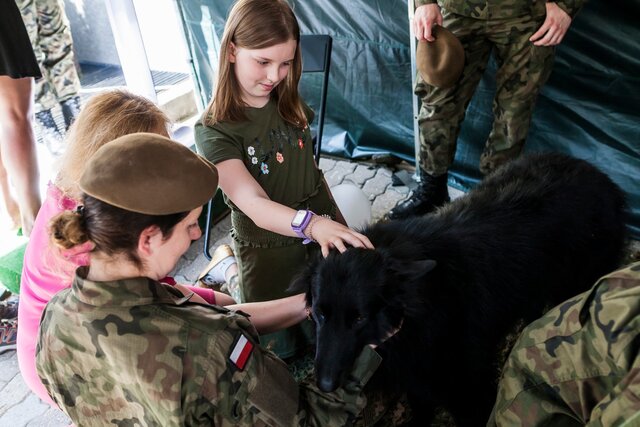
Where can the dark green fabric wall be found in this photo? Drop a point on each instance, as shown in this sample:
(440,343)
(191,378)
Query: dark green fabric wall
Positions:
(589,108)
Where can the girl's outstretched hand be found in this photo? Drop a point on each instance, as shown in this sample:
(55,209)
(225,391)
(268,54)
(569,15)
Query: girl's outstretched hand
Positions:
(331,234)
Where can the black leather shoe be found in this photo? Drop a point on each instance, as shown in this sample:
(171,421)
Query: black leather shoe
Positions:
(431,193)
(70,109)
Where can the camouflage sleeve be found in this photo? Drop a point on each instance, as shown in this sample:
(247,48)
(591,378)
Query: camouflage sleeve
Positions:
(580,361)
(252,387)
(621,407)
(572,7)
(336,408)
(617,313)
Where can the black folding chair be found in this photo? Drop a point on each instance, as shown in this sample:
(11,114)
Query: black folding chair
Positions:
(316,58)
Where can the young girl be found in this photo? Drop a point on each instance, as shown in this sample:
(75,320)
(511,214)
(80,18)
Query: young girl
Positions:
(46,270)
(256,132)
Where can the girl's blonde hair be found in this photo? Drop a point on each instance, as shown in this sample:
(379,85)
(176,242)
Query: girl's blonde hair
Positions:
(257,24)
(105,117)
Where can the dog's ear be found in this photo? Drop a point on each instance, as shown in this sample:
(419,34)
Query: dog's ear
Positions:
(413,268)
(301,283)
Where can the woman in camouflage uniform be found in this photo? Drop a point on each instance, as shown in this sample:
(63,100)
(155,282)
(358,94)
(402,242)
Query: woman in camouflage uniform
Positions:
(120,347)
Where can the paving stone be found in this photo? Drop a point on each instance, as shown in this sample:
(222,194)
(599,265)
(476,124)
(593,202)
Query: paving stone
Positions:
(336,175)
(361,174)
(31,409)
(9,365)
(384,171)
(12,394)
(378,184)
(384,203)
(327,164)
(51,418)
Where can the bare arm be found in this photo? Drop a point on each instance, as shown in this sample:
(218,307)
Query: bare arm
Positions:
(271,316)
(554,27)
(223,299)
(238,184)
(424,18)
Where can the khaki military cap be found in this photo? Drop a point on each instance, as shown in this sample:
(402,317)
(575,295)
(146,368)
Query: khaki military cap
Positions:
(150,174)
(440,62)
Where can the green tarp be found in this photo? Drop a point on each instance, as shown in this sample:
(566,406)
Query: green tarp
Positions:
(589,108)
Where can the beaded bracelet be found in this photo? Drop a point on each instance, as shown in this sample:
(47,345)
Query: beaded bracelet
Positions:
(307,230)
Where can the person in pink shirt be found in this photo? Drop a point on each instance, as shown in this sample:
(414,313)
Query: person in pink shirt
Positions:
(46,269)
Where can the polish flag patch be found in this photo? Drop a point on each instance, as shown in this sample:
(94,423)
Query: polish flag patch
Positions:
(241,352)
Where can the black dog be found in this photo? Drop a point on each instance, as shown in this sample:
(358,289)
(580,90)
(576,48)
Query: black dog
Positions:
(458,281)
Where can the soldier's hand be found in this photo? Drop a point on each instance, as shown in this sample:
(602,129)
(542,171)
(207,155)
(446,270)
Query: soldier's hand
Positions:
(424,18)
(553,28)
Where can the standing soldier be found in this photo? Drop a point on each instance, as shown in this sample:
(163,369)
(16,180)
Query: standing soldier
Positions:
(50,36)
(522,34)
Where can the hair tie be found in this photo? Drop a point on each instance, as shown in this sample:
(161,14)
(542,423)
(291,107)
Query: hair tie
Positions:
(80,210)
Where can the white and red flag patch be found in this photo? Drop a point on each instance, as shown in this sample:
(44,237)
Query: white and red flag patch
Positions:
(241,352)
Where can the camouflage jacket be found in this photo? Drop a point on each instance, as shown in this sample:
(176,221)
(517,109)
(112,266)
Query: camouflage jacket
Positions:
(500,9)
(579,363)
(137,352)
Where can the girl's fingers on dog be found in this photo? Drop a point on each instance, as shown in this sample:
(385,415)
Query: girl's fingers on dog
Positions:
(325,250)
(358,240)
(365,240)
(339,245)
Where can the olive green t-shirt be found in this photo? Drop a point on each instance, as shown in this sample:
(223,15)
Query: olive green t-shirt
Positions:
(278,155)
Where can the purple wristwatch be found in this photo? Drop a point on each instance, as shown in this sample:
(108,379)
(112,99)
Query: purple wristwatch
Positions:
(300,222)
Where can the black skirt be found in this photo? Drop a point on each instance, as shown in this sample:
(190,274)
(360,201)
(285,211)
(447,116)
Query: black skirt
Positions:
(16,54)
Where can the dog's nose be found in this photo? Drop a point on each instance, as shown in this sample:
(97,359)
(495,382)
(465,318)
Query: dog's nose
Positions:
(327,384)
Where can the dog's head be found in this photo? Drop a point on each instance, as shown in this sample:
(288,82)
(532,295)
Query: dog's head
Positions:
(356,300)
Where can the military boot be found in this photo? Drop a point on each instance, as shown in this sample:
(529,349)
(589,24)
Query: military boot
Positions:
(432,192)
(70,109)
(49,132)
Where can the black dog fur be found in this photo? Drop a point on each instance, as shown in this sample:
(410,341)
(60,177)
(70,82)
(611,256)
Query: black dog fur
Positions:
(456,282)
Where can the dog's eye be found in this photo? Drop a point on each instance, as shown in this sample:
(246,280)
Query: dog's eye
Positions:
(360,319)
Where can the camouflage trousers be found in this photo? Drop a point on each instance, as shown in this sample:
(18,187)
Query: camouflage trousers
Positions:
(50,36)
(522,70)
(579,363)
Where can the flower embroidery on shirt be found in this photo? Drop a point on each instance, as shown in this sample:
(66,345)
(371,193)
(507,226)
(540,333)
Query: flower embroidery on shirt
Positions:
(261,154)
